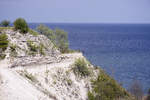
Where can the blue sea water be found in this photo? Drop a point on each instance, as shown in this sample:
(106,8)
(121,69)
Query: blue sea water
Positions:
(122,50)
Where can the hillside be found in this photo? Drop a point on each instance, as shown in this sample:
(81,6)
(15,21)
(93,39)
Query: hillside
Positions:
(32,68)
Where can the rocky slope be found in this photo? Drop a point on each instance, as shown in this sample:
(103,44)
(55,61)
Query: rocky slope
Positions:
(41,74)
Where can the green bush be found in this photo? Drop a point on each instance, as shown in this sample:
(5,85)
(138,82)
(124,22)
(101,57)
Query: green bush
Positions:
(106,88)
(41,49)
(3,45)
(33,48)
(5,23)
(3,41)
(21,25)
(81,67)
(13,50)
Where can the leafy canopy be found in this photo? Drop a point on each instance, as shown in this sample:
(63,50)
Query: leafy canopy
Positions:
(58,37)
(21,25)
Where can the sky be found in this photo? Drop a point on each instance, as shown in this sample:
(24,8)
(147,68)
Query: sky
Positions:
(76,11)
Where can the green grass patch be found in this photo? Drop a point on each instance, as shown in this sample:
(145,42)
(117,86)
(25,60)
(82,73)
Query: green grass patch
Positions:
(5,28)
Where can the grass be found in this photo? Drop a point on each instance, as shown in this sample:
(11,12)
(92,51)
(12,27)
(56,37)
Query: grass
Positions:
(33,48)
(4,28)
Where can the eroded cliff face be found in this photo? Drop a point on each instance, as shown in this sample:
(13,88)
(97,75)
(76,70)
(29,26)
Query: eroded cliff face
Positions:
(34,69)
(41,74)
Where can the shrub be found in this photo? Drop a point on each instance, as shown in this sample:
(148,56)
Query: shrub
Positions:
(3,45)
(3,41)
(21,25)
(106,88)
(81,68)
(5,23)
(41,47)
(13,50)
(33,48)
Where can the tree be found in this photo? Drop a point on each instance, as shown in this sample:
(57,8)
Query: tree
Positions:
(21,25)
(5,23)
(61,40)
(136,90)
(42,29)
(58,37)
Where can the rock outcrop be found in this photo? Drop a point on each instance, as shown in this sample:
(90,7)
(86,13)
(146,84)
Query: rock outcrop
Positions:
(29,49)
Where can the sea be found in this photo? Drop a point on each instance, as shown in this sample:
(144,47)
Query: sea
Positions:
(122,50)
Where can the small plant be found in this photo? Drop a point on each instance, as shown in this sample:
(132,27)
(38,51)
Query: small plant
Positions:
(5,23)
(2,56)
(32,46)
(81,67)
(13,50)
(69,82)
(41,47)
(3,45)
(21,25)
(3,41)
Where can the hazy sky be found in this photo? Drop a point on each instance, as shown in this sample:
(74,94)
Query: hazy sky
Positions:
(90,11)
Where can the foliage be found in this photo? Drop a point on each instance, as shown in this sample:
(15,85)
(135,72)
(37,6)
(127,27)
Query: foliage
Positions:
(21,25)
(136,90)
(106,88)
(33,48)
(42,29)
(58,37)
(3,45)
(4,28)
(3,41)
(13,50)
(81,67)
(41,48)
(5,23)
(61,40)
(34,33)
(2,56)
